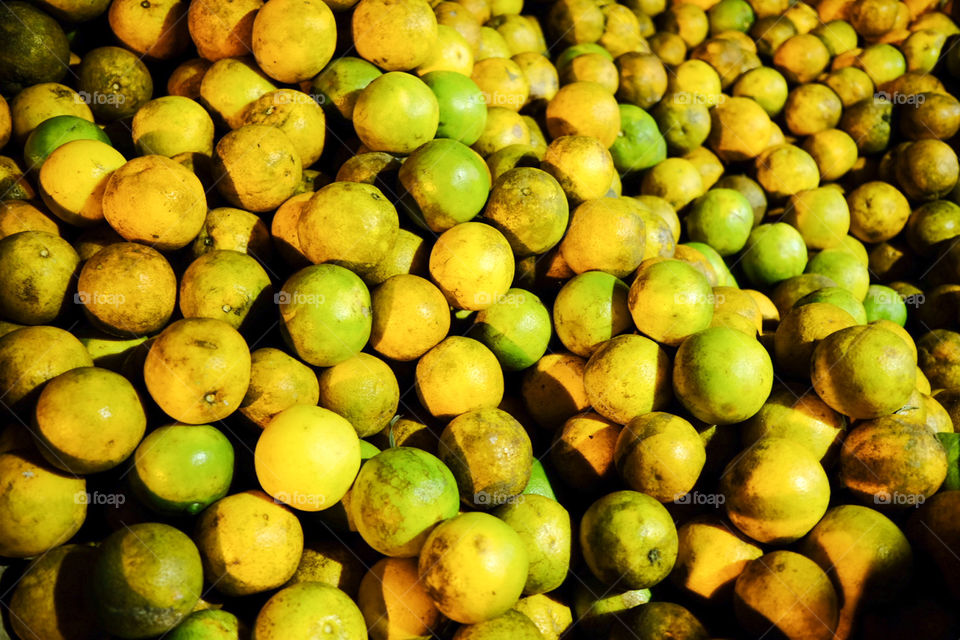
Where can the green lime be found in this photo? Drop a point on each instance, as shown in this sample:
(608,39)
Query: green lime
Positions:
(340,82)
(325,313)
(567,55)
(539,483)
(181,469)
(445,183)
(639,144)
(399,496)
(463,111)
(54,132)
(685,123)
(209,624)
(721,218)
(516,328)
(730,15)
(884,302)
(842,267)
(837,296)
(724,277)
(544,526)
(773,253)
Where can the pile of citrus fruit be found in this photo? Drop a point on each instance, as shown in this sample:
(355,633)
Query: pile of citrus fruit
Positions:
(479,319)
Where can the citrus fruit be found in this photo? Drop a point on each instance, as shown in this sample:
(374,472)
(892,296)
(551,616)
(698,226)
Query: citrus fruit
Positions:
(627,376)
(127,289)
(363,390)
(256,181)
(463,111)
(296,445)
(583,450)
(445,183)
(74,177)
(775,491)
(529,207)
(30,356)
(487,475)
(88,420)
(395,36)
(115,82)
(277,381)
(474,567)
(722,219)
(670,300)
(410,316)
(706,364)
(41,507)
(399,496)
(840,377)
(159,594)
(658,620)
(37,268)
(55,132)
(797,414)
(590,309)
(397,112)
(639,144)
(297,115)
(628,538)
(581,165)
(157,31)
(350,224)
(394,602)
(789,592)
(891,462)
(230,85)
(248,543)
(472,264)
(215,624)
(325,311)
(605,234)
(198,370)
(222,30)
(49,598)
(516,329)
(866,554)
(181,469)
(659,454)
(279,28)
(711,554)
(676,180)
(838,297)
(304,608)
(240,303)
(544,527)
